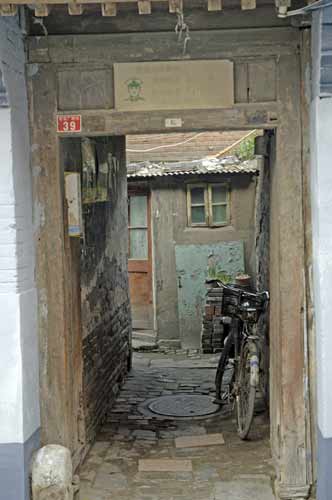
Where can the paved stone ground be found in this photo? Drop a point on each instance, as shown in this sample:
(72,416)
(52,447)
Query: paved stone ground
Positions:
(114,468)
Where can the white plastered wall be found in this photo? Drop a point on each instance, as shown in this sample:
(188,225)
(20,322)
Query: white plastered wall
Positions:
(19,367)
(322,254)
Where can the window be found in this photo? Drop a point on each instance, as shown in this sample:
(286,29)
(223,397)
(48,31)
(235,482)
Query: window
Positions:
(208,204)
(138,227)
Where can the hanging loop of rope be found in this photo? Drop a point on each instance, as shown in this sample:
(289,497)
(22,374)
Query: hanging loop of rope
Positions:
(182,30)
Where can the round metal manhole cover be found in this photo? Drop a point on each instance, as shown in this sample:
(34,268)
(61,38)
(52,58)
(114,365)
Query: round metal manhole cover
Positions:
(183,405)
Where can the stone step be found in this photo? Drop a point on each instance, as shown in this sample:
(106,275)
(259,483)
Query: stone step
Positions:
(144,340)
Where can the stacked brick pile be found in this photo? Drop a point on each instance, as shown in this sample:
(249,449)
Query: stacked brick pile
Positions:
(212,328)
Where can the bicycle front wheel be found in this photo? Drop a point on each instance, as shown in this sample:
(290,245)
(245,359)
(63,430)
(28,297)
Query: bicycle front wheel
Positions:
(246,389)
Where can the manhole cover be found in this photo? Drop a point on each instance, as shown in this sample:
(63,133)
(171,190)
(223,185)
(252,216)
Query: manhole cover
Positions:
(183,405)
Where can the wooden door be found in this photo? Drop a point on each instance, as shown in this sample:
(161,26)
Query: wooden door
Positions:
(140,261)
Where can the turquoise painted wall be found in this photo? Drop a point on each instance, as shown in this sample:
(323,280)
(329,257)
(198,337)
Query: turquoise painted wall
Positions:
(193,264)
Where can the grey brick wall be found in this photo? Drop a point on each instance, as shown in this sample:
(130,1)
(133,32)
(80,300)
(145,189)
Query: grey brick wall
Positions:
(105,296)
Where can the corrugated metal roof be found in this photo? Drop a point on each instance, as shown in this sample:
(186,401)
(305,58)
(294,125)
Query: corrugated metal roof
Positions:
(228,165)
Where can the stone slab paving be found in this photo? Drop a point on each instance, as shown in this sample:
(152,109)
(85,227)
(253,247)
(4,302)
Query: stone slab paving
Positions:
(165,465)
(195,441)
(131,437)
(244,489)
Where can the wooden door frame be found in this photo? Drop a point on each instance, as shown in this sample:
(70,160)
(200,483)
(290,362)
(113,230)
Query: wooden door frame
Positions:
(135,265)
(290,413)
(144,265)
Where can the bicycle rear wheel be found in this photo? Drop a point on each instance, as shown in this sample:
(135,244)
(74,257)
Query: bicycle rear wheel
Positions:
(225,372)
(245,399)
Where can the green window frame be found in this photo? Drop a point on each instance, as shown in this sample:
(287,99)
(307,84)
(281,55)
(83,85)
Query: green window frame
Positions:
(208,204)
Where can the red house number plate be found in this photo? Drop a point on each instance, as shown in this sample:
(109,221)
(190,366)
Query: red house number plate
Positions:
(69,123)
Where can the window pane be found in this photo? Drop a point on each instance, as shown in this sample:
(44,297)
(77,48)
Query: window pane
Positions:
(198,215)
(197,196)
(138,211)
(219,194)
(219,214)
(138,244)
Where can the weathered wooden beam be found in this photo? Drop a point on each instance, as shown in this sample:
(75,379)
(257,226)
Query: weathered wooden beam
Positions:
(8,10)
(248,4)
(175,6)
(144,7)
(161,45)
(108,9)
(75,9)
(41,10)
(214,5)
(241,117)
(59,23)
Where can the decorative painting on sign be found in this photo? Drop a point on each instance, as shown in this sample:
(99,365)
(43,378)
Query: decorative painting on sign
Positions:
(135,88)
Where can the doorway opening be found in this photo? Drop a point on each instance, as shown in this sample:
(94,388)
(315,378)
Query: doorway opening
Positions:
(168,397)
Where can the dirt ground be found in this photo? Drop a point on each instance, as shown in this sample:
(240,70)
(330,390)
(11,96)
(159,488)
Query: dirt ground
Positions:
(116,467)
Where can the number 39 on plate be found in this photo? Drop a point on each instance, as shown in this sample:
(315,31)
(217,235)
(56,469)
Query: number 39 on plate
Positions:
(69,123)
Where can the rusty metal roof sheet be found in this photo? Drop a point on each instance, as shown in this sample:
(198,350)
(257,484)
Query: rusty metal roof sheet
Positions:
(228,165)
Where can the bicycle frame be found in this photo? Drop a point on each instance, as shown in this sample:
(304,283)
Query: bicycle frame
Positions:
(241,336)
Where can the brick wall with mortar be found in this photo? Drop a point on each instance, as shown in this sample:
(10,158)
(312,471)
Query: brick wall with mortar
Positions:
(106,319)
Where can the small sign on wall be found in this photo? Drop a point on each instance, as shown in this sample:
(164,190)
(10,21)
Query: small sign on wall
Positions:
(74,203)
(69,123)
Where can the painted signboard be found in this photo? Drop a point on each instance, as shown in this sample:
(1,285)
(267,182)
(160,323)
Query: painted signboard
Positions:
(173,85)
(69,123)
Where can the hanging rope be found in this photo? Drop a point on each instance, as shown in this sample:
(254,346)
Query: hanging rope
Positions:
(182,31)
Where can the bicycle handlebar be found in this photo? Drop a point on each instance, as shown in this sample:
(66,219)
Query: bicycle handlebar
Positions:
(241,291)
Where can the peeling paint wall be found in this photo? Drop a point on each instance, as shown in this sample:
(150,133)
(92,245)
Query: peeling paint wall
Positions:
(106,320)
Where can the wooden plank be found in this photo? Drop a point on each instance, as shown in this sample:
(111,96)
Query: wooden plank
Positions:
(89,89)
(291,428)
(58,22)
(75,9)
(262,78)
(173,85)
(248,4)
(144,7)
(56,412)
(108,9)
(8,10)
(241,117)
(241,84)
(41,10)
(109,48)
(214,5)
(175,6)
(310,340)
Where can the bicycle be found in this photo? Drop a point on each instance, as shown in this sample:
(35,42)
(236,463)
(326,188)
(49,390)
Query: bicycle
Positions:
(238,376)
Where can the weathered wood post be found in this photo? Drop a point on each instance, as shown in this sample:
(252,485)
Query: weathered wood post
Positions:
(52,474)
